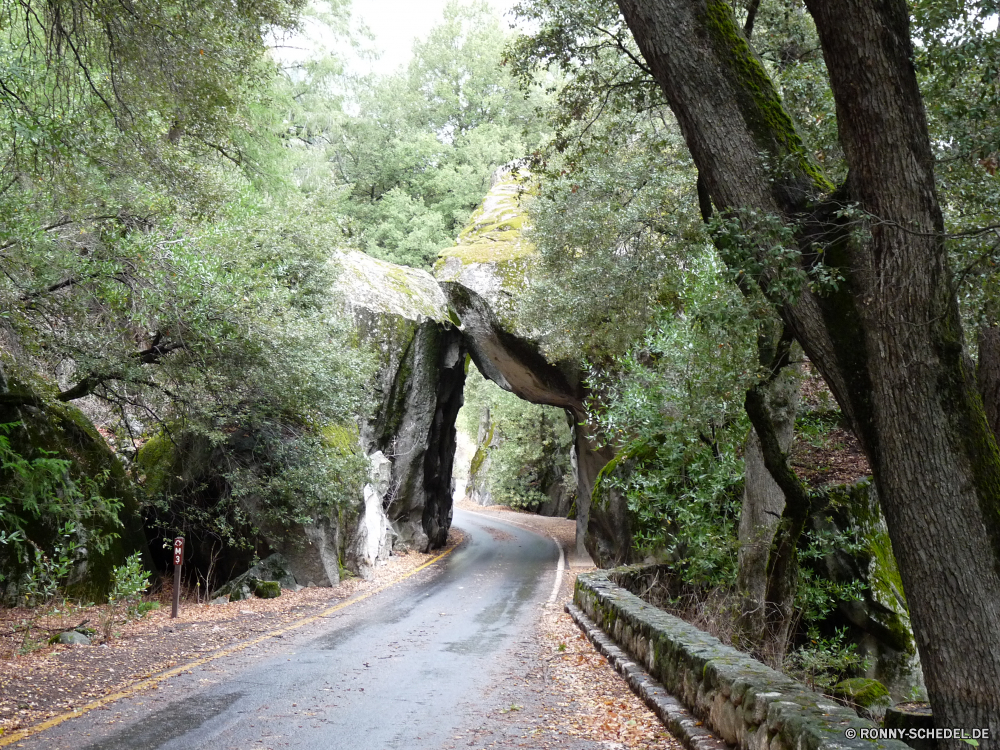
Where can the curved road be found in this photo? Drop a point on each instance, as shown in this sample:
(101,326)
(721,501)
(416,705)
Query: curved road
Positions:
(407,668)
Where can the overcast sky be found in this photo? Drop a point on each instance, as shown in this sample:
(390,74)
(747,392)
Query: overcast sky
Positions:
(396,23)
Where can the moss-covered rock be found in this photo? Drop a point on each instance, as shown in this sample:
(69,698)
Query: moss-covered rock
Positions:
(52,429)
(863,692)
(879,622)
(267,590)
(492,256)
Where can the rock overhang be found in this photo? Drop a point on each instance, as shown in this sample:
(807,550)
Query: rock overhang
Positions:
(380,287)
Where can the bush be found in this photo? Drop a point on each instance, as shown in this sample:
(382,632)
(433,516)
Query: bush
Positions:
(130,582)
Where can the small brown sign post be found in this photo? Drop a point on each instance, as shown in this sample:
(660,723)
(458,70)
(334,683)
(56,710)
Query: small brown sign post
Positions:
(178,562)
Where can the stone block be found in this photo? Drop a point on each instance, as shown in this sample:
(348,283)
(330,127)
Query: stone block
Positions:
(267,589)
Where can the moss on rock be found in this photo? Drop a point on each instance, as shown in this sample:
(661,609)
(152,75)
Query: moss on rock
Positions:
(154,460)
(267,589)
(492,255)
(863,692)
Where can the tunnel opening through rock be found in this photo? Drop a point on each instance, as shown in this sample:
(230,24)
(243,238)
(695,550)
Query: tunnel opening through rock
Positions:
(429,332)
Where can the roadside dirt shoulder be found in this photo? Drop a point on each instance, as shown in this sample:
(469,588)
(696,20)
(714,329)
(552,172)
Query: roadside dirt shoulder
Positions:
(58,678)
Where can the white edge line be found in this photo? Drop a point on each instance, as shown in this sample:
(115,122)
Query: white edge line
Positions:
(559,572)
(560,566)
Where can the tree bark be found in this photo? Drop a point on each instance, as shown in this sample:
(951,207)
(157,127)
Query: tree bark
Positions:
(988,375)
(888,340)
(760,515)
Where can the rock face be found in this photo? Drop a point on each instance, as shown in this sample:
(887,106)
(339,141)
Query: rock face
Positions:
(373,540)
(61,431)
(481,277)
(424,330)
(879,621)
(403,313)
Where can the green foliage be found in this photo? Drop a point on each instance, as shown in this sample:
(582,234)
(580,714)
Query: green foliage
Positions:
(51,570)
(94,86)
(49,522)
(616,211)
(956,53)
(813,426)
(594,65)
(164,264)
(222,491)
(674,406)
(609,254)
(823,662)
(524,447)
(415,159)
(612,230)
(129,583)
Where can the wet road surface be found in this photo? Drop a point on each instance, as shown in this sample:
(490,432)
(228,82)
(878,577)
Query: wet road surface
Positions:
(407,668)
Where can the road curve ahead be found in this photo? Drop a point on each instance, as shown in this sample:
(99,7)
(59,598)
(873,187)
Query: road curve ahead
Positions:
(406,668)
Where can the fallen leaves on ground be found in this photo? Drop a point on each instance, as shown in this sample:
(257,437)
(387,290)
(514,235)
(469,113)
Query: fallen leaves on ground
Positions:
(57,678)
(584,698)
(601,706)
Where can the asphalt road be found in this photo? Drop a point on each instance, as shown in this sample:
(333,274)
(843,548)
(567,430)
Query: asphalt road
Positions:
(412,667)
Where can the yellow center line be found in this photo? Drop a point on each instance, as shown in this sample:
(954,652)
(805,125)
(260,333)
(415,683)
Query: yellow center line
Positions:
(23,734)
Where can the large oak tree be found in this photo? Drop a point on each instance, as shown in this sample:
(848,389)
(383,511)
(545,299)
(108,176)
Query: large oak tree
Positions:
(887,337)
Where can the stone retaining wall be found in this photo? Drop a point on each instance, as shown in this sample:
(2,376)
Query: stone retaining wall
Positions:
(746,703)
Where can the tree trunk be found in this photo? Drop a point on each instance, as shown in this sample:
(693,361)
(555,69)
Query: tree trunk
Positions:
(888,339)
(988,375)
(762,508)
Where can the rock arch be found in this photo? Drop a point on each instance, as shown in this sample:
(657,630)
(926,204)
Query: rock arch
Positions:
(423,327)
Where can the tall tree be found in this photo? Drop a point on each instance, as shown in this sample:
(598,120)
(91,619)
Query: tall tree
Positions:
(886,333)
(416,158)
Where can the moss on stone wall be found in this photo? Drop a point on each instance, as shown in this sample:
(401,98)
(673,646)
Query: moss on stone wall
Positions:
(744,702)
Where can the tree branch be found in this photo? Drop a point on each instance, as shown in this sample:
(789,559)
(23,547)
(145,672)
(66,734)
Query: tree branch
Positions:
(60,223)
(150,356)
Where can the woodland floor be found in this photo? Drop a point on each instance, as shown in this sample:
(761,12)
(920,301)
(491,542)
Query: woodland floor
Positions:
(832,455)
(565,692)
(836,459)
